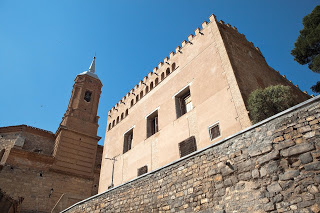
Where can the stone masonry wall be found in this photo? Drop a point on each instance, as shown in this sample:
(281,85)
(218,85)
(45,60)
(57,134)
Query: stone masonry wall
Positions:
(271,167)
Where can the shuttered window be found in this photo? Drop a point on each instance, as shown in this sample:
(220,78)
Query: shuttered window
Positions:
(183,102)
(214,131)
(128,137)
(187,146)
(152,124)
(142,170)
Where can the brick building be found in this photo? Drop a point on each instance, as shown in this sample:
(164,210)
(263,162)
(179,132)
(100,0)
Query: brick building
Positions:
(195,97)
(52,171)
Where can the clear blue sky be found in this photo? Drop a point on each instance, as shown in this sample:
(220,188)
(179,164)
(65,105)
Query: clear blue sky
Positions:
(45,44)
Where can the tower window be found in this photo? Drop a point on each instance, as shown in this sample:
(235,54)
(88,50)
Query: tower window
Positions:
(131,104)
(117,119)
(183,102)
(137,98)
(173,66)
(2,153)
(142,170)
(87,96)
(121,116)
(141,94)
(152,124)
(156,81)
(151,85)
(109,126)
(214,131)
(187,146)
(128,137)
(126,113)
(147,89)
(168,71)
(162,76)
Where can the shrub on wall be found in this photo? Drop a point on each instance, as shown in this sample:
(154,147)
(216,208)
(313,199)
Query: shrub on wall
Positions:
(264,103)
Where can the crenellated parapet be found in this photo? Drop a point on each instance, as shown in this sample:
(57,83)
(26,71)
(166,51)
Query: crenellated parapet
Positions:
(164,68)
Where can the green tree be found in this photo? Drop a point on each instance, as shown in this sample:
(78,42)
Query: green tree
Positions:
(264,103)
(307,47)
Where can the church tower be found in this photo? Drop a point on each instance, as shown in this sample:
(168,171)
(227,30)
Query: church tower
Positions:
(76,138)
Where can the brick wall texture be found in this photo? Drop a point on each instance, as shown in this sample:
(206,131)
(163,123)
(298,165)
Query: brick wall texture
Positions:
(273,167)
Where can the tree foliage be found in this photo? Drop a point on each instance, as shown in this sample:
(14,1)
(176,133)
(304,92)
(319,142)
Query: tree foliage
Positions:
(307,47)
(264,103)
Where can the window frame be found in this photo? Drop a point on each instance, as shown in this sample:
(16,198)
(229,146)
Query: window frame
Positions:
(127,146)
(152,118)
(180,97)
(211,127)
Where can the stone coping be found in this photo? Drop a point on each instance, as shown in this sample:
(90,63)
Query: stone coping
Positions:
(307,102)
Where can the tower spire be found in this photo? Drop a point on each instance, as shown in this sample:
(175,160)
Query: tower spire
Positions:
(92,67)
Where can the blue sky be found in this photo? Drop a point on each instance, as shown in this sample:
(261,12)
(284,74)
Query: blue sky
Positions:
(45,44)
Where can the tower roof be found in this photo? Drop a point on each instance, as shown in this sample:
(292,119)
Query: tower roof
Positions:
(92,69)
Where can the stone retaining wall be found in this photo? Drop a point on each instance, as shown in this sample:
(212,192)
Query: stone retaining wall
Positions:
(273,166)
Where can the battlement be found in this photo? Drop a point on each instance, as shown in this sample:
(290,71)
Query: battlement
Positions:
(164,68)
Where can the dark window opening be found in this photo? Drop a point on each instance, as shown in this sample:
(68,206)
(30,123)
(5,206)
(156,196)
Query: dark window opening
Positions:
(187,146)
(87,96)
(109,126)
(141,94)
(131,104)
(173,66)
(147,89)
(183,102)
(168,71)
(162,76)
(121,118)
(214,131)
(156,81)
(113,123)
(126,112)
(152,124)
(128,137)
(151,85)
(143,170)
(117,119)
(1,154)
(137,98)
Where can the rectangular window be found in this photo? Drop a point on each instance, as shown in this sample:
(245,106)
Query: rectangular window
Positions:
(183,102)
(214,131)
(142,170)
(152,124)
(128,137)
(187,146)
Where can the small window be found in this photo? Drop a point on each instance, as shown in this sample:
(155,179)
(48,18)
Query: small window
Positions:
(141,94)
(187,146)
(137,98)
(113,123)
(214,131)
(131,104)
(122,116)
(173,66)
(87,96)
(128,137)
(168,71)
(126,113)
(147,89)
(152,124)
(117,119)
(109,126)
(151,85)
(156,81)
(142,170)
(1,154)
(183,102)
(162,76)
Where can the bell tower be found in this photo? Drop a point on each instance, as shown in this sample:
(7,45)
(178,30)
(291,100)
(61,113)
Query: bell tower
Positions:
(76,138)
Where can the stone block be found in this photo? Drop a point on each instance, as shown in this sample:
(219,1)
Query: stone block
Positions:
(297,149)
(268,157)
(306,158)
(289,175)
(274,187)
(312,166)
